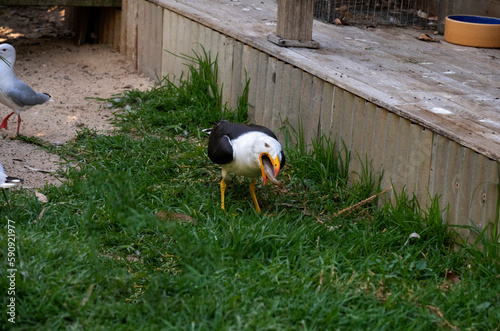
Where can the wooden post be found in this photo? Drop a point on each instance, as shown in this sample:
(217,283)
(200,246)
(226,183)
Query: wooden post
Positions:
(294,24)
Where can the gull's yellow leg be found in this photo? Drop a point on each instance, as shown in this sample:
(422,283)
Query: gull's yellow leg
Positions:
(254,197)
(222,189)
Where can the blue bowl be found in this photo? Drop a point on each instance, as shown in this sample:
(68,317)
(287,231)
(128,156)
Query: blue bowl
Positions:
(475,19)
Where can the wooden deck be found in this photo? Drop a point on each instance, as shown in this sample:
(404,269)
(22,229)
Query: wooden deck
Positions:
(452,90)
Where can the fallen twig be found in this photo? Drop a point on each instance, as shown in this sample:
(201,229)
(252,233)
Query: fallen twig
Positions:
(40,170)
(361,202)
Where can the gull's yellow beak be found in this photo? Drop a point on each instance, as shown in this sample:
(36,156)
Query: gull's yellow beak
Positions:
(275,167)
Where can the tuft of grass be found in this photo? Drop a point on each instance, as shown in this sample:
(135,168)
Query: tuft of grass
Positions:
(242,102)
(179,106)
(135,238)
(329,164)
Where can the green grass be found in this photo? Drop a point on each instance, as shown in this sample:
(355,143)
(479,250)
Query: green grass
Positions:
(135,238)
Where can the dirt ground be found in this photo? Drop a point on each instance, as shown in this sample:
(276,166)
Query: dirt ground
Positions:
(48,60)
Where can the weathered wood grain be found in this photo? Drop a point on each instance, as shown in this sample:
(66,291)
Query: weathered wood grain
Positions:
(132,21)
(337,112)
(250,60)
(315,109)
(236,79)
(150,39)
(278,96)
(225,48)
(286,91)
(389,162)
(326,109)
(306,101)
(295,19)
(377,148)
(295,99)
(262,86)
(268,110)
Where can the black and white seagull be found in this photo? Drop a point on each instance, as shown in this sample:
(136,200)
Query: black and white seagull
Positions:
(7,181)
(14,93)
(246,150)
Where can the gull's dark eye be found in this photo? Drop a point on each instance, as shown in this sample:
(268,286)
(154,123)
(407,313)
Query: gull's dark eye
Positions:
(267,145)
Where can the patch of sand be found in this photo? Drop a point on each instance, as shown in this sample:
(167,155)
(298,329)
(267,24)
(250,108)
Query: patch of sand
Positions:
(51,62)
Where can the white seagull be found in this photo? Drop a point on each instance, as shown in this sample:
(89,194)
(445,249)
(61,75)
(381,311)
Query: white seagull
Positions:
(246,150)
(14,93)
(7,181)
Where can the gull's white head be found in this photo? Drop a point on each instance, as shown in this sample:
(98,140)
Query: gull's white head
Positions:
(264,144)
(8,53)
(257,149)
(270,149)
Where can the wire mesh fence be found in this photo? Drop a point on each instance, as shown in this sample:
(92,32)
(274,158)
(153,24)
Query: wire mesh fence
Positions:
(419,13)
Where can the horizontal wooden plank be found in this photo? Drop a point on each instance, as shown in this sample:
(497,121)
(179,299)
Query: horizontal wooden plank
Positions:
(74,3)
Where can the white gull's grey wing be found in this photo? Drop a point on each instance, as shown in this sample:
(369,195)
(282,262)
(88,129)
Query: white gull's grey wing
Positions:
(24,96)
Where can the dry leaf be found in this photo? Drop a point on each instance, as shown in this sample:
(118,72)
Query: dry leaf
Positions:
(382,293)
(337,21)
(183,218)
(41,197)
(291,205)
(321,281)
(444,286)
(438,312)
(41,214)
(282,189)
(352,277)
(452,277)
(426,37)
(412,235)
(435,310)
(162,214)
(130,258)
(88,294)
